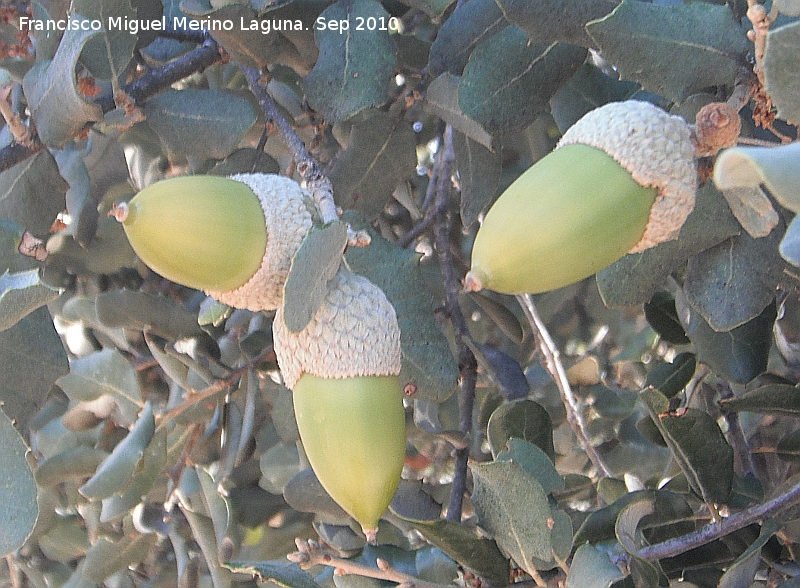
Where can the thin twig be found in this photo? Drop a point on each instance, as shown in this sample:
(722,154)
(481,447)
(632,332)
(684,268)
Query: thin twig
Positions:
(318,184)
(19,131)
(214,389)
(161,78)
(152,82)
(551,355)
(467,364)
(424,223)
(309,554)
(717,530)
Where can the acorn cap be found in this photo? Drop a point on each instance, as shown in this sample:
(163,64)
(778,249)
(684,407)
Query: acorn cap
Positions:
(353,333)
(288,211)
(656,148)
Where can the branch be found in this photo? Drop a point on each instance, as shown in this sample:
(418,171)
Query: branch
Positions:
(152,82)
(551,355)
(717,530)
(430,216)
(318,184)
(309,554)
(162,77)
(467,364)
(215,388)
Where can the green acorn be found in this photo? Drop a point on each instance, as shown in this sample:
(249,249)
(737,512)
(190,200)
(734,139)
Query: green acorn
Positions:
(233,238)
(343,370)
(621,180)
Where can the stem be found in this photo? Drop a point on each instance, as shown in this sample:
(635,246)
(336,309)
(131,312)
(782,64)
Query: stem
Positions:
(310,554)
(553,364)
(719,529)
(431,214)
(161,78)
(467,364)
(215,388)
(150,83)
(318,184)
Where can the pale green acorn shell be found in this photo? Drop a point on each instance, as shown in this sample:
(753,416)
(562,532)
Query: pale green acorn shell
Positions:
(288,210)
(656,148)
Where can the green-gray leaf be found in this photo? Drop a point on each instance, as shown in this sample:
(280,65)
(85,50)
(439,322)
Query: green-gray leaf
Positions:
(427,360)
(116,471)
(20,294)
(283,573)
(105,372)
(645,41)
(57,107)
(643,573)
(479,172)
(781,72)
(442,100)
(381,153)
(11,260)
(18,506)
(466,547)
(107,54)
(739,354)
(778,168)
(507,83)
(313,266)
(534,461)
(153,463)
(753,209)
(524,419)
(433,8)
(31,358)
(741,573)
(669,378)
(698,445)
(471,23)
(32,193)
(354,68)
(513,507)
(636,277)
(546,21)
(106,558)
(731,283)
(790,245)
(591,568)
(146,312)
(202,123)
(588,89)
(775,398)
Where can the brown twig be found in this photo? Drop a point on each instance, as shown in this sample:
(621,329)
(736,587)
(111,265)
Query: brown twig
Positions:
(150,83)
(549,351)
(719,529)
(761,20)
(309,554)
(468,365)
(193,399)
(318,184)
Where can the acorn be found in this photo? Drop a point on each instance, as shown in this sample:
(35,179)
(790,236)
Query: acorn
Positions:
(621,180)
(233,238)
(343,371)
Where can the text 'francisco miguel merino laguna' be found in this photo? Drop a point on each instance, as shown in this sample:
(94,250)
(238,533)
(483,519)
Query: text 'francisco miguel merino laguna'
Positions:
(133,26)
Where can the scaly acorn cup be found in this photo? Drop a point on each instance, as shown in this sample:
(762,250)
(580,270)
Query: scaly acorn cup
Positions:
(232,237)
(621,180)
(348,402)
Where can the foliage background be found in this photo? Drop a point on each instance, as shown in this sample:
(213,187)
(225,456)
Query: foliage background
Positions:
(637,429)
